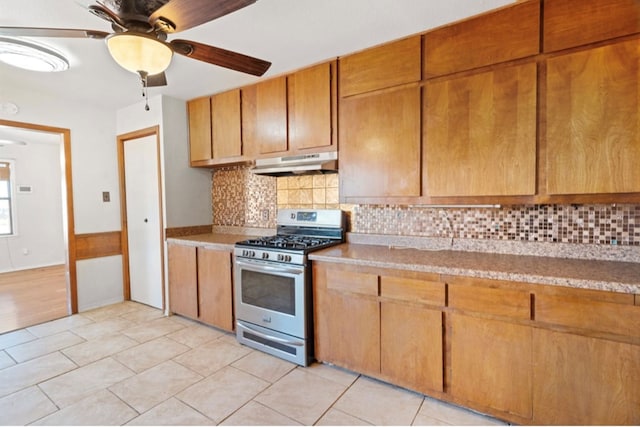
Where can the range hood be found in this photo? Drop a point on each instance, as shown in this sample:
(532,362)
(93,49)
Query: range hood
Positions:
(303,164)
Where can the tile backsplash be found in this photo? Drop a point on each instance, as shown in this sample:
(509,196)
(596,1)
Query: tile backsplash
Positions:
(241,198)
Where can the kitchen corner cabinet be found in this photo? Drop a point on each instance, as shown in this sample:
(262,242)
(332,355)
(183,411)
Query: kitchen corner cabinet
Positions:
(592,127)
(379,324)
(200,284)
(480,133)
(264,117)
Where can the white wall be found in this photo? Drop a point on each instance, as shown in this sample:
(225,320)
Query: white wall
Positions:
(186,190)
(95,169)
(39,238)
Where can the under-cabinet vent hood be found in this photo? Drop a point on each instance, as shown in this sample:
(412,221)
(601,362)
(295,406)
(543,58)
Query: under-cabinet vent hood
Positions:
(303,164)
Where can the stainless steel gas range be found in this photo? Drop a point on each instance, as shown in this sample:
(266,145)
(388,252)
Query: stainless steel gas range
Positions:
(272,282)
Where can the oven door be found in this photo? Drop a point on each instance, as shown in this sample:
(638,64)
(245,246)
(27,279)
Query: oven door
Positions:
(272,296)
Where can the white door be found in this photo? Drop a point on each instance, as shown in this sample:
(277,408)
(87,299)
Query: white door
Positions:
(143,220)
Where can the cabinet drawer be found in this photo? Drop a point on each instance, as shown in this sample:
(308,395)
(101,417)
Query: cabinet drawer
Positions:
(412,290)
(352,282)
(381,67)
(485,40)
(621,319)
(511,303)
(568,23)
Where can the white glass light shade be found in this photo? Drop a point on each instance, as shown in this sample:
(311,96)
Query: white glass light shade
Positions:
(136,52)
(31,56)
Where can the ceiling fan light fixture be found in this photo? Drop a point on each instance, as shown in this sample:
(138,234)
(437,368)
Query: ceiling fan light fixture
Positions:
(138,52)
(31,56)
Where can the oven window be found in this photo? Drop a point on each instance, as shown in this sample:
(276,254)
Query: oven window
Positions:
(269,291)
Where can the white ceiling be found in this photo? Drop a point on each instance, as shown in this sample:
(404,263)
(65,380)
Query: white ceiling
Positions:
(290,33)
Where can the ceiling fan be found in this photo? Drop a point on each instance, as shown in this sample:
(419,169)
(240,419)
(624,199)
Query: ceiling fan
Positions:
(139,41)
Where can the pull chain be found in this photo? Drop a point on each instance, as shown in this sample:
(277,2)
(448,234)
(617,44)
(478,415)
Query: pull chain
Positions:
(143,78)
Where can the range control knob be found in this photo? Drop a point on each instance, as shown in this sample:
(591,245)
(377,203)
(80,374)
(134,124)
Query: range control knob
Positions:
(265,255)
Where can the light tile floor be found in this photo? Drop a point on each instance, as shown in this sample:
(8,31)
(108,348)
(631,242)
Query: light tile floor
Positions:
(127,364)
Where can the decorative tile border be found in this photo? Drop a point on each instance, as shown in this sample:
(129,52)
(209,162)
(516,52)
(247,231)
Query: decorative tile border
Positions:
(243,199)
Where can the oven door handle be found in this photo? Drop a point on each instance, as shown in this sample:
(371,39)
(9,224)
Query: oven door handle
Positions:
(268,337)
(264,266)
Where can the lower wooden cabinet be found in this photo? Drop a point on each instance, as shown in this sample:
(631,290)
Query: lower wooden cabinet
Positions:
(525,353)
(411,346)
(200,284)
(347,319)
(582,380)
(379,326)
(491,364)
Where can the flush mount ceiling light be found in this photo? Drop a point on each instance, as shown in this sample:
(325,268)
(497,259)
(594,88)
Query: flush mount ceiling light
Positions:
(139,53)
(31,56)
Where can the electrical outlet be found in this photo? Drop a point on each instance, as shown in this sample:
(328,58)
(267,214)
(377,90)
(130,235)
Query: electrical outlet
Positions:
(105,196)
(265,214)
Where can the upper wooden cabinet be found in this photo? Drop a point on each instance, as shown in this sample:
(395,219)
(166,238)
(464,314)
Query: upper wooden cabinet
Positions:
(225,125)
(312,102)
(509,33)
(380,145)
(480,133)
(593,133)
(569,23)
(264,117)
(199,129)
(381,67)
(215,135)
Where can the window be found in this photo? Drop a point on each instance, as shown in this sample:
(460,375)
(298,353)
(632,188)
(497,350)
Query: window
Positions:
(6,192)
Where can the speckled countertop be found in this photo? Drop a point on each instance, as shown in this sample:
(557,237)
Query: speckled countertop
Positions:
(578,273)
(211,240)
(598,274)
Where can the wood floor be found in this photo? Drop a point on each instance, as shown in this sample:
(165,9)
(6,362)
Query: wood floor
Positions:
(29,297)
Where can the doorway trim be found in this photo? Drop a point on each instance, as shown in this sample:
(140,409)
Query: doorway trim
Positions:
(72,280)
(122,139)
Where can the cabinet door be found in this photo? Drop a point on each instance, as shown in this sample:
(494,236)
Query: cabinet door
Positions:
(483,40)
(411,346)
(491,364)
(264,116)
(347,318)
(311,98)
(592,121)
(480,134)
(585,381)
(568,24)
(215,288)
(183,280)
(380,145)
(226,125)
(199,129)
(380,67)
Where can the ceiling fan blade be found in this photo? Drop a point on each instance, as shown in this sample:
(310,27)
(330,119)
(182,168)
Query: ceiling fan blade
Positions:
(157,80)
(222,57)
(185,14)
(51,32)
